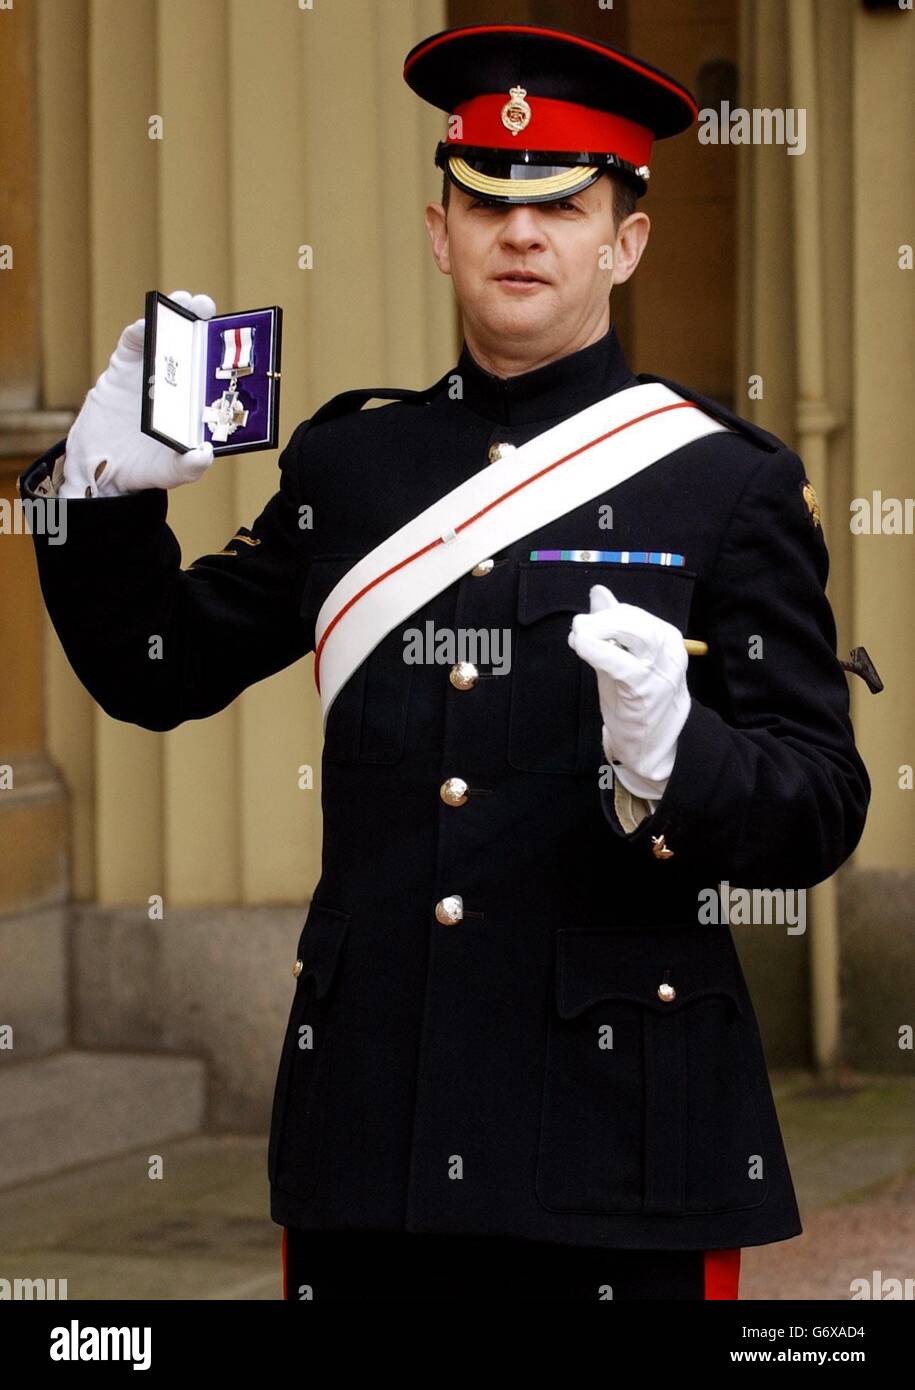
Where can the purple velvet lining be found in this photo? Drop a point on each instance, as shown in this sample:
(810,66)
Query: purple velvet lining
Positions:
(254,391)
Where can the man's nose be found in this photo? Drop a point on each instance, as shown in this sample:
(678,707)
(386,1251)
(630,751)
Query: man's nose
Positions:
(522,226)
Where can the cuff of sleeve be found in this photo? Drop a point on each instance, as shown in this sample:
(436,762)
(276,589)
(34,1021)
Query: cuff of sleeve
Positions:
(76,524)
(642,788)
(631,810)
(44,476)
(681,819)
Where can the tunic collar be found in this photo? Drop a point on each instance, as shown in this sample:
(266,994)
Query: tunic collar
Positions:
(551,392)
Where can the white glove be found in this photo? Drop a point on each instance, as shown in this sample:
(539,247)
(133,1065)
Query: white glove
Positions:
(641,663)
(107,429)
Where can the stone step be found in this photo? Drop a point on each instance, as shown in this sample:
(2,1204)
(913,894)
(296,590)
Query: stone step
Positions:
(77,1107)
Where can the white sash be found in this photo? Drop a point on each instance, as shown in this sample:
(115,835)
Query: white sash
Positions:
(592,451)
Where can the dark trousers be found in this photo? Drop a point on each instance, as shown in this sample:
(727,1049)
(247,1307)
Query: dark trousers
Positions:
(342,1266)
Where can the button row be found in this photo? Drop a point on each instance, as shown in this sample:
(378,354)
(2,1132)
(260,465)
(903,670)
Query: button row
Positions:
(454,791)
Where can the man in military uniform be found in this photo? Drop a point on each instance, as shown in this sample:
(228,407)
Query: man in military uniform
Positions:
(517,1057)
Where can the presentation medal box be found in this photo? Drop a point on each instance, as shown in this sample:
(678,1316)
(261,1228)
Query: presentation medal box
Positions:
(215,380)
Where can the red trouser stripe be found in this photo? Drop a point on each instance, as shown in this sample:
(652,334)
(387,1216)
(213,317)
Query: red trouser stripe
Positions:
(722,1273)
(285,1292)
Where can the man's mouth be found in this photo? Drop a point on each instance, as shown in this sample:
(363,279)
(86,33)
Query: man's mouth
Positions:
(521,277)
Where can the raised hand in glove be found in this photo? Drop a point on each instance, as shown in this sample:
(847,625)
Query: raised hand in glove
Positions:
(107,453)
(640,662)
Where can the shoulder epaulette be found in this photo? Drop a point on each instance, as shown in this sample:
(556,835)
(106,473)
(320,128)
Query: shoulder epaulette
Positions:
(349,401)
(720,412)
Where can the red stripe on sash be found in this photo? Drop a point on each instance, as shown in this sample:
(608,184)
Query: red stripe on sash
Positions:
(661,410)
(285,1291)
(722,1273)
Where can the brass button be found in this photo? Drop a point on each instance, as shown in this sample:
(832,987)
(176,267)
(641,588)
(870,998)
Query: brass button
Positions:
(454,791)
(484,567)
(449,910)
(297,969)
(463,675)
(659,848)
(666,993)
(500,451)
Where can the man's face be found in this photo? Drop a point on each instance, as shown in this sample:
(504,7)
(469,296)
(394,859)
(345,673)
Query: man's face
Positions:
(534,273)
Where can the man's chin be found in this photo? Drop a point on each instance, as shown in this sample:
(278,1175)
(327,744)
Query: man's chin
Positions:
(518,320)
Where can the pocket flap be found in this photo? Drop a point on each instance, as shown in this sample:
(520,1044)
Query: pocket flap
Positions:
(556,586)
(320,943)
(593,964)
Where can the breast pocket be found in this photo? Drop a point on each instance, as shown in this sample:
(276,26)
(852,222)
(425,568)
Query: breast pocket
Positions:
(304,1072)
(555,720)
(648,1101)
(367,722)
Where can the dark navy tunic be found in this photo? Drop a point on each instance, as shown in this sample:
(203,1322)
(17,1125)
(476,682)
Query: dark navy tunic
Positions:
(460,1077)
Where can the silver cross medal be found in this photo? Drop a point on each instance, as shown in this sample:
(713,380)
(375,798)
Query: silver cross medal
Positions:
(226,414)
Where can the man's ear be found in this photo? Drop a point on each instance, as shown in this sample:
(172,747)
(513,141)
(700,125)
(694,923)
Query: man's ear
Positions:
(631,240)
(437,227)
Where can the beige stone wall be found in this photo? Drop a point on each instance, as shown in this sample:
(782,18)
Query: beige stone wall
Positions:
(831,329)
(880,204)
(825,319)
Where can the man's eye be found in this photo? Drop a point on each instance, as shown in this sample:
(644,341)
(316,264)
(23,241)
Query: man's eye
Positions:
(563,203)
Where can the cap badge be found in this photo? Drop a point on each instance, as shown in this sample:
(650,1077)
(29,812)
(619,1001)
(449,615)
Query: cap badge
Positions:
(516,114)
(813,505)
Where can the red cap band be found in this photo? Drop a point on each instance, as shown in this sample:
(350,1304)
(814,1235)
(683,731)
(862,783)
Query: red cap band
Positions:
(554,125)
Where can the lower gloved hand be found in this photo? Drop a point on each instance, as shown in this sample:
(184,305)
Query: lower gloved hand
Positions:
(107,453)
(641,663)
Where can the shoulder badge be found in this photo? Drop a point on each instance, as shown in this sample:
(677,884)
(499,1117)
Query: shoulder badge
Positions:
(810,498)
